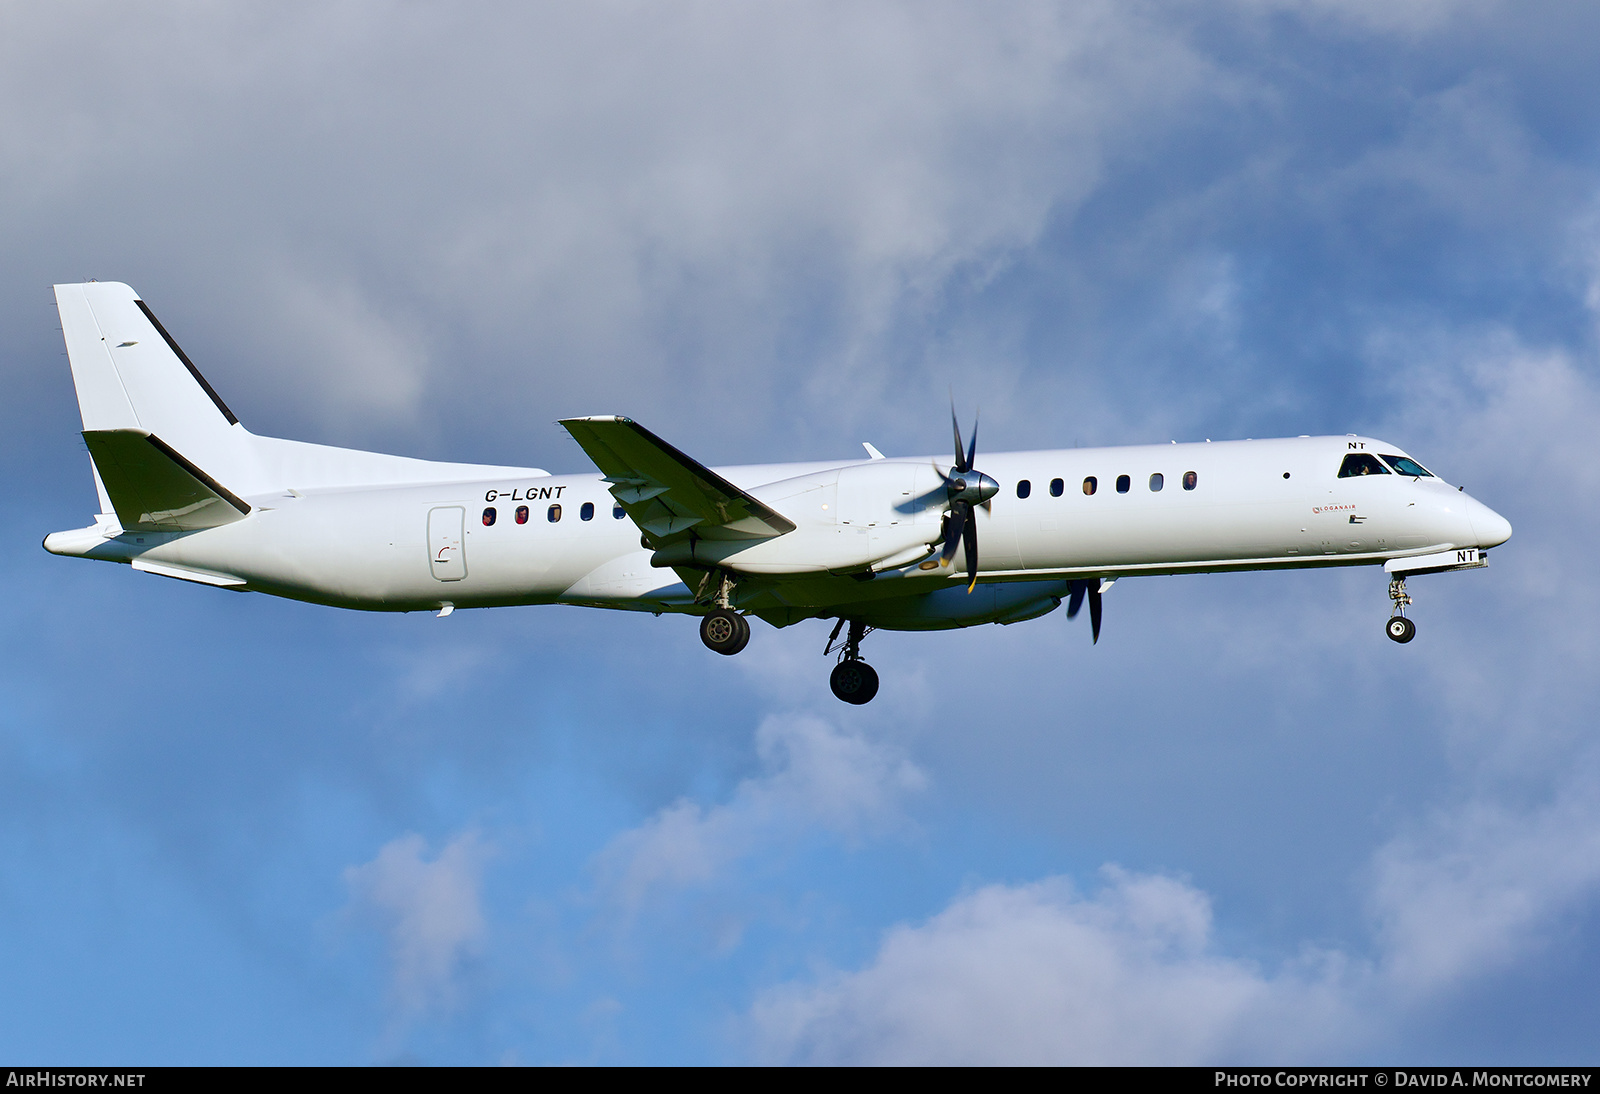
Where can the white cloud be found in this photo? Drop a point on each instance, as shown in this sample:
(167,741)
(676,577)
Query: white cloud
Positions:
(431,912)
(817,777)
(1485,885)
(685,196)
(1514,424)
(1039,974)
(1487,881)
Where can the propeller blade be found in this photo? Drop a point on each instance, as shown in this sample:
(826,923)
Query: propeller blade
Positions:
(971,538)
(1075,603)
(955,427)
(972,449)
(1094,611)
(952,534)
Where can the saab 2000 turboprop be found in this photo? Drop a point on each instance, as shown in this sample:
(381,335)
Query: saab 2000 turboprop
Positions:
(187,492)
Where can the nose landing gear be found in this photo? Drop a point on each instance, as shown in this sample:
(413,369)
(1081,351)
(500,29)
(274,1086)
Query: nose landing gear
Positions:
(852,679)
(1399,628)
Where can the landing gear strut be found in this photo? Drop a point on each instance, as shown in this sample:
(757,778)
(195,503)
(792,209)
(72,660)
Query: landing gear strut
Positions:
(852,679)
(1399,627)
(722,629)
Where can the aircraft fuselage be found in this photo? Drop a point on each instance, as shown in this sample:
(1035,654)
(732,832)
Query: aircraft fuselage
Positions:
(1255,504)
(915,543)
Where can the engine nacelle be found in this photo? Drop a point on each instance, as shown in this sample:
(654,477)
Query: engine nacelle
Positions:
(945,609)
(845,519)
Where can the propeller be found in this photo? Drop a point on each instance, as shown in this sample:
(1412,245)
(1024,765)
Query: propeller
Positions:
(1078,590)
(965,486)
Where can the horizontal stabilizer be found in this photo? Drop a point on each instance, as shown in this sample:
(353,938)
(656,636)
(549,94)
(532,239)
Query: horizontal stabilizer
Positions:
(153,487)
(665,492)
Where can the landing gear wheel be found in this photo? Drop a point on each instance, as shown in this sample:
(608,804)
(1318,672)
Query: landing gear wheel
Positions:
(1401,629)
(854,682)
(725,632)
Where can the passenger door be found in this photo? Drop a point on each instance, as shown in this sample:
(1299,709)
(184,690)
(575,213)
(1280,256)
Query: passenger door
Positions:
(447,542)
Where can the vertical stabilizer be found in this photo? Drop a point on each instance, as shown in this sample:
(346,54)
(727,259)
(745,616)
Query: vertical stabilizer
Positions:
(131,375)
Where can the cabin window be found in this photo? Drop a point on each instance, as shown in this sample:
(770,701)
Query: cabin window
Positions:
(522,514)
(1407,466)
(617,513)
(1157,481)
(1024,488)
(488,516)
(1057,487)
(1357,464)
(553,514)
(587,512)
(1191,480)
(1123,484)
(1090,485)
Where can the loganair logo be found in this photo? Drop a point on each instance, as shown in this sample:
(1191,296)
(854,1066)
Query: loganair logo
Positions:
(1330,508)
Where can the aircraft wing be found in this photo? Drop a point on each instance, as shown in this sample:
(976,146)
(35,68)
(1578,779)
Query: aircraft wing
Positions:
(669,495)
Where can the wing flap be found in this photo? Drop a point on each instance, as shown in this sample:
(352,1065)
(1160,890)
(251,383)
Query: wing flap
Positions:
(667,493)
(154,488)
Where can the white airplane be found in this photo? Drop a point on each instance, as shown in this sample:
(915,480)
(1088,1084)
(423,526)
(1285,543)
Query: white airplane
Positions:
(187,492)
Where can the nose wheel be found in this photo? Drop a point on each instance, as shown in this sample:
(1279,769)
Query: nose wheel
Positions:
(852,679)
(1399,628)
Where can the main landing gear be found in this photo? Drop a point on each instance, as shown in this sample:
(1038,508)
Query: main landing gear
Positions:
(722,629)
(725,631)
(1399,627)
(852,679)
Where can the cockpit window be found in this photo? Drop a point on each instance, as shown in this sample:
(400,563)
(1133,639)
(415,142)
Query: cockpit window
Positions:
(1357,464)
(1407,466)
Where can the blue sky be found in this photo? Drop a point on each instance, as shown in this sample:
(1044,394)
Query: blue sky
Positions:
(1244,828)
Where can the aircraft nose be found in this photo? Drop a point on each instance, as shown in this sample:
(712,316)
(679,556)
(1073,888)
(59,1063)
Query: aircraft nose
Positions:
(1492,529)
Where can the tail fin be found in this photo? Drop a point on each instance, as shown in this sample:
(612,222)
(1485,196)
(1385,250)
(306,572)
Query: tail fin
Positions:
(131,376)
(155,426)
